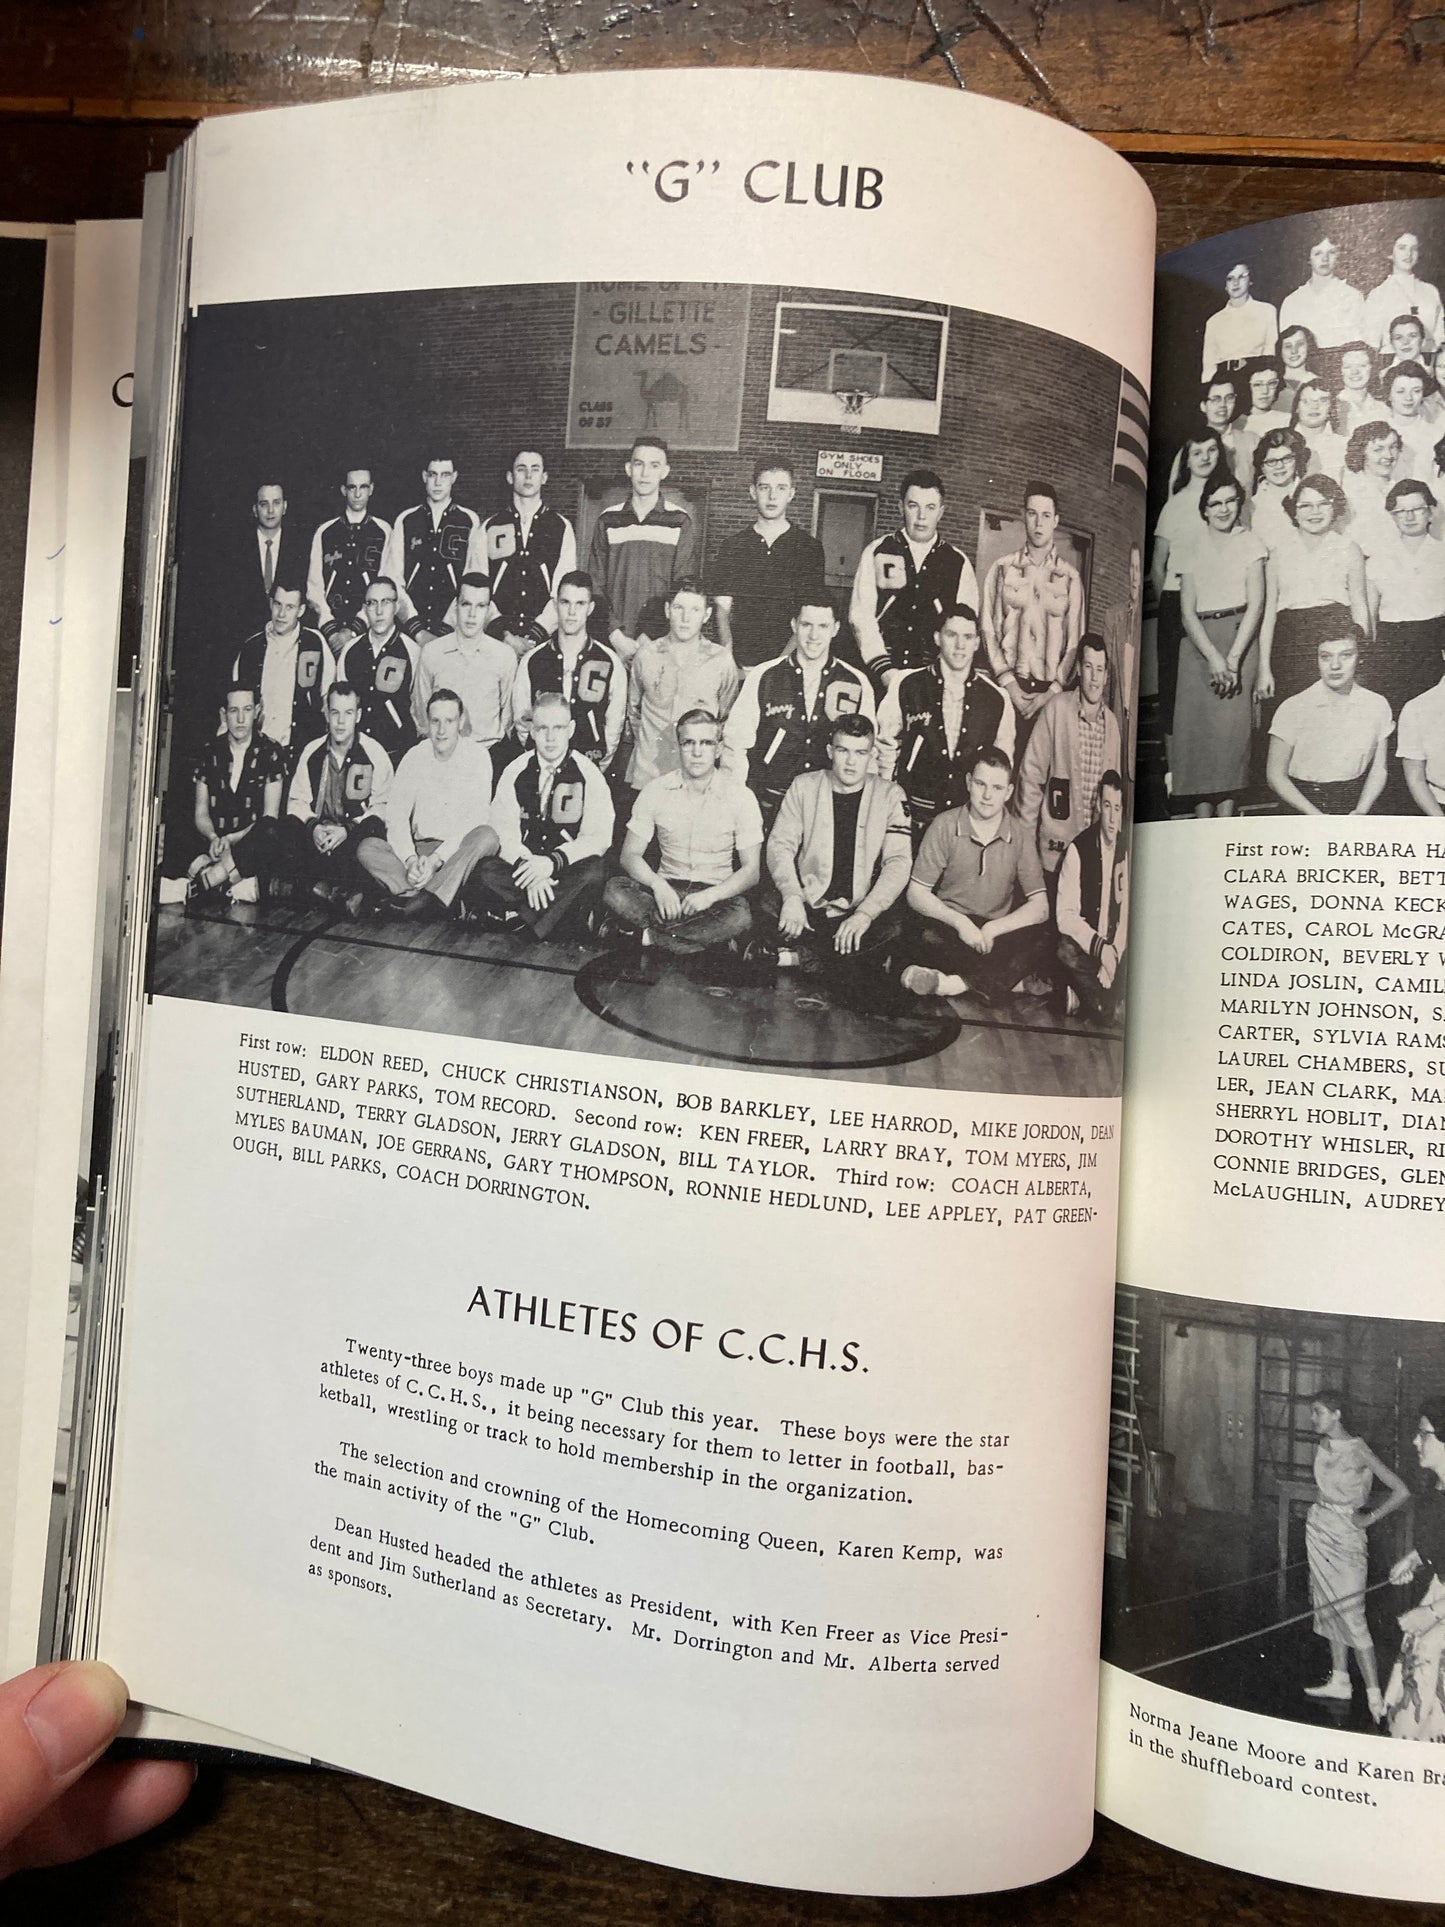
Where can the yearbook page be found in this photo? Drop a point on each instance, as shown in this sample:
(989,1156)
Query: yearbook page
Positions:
(631,924)
(1275,1612)
(78,392)
(78,423)
(38,264)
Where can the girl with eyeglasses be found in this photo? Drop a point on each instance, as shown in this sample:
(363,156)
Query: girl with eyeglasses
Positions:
(1314,582)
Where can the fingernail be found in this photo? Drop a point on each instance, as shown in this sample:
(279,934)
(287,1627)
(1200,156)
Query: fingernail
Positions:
(75,1713)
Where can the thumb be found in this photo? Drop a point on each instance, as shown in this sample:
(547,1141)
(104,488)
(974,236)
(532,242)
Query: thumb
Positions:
(54,1721)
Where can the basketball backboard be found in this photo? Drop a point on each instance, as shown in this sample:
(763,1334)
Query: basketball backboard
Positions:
(857,367)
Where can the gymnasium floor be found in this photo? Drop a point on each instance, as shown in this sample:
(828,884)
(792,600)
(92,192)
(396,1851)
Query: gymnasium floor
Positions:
(463,980)
(1201,1606)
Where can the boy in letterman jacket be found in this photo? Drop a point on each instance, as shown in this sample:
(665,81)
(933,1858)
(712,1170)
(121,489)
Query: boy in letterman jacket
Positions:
(427,555)
(290,668)
(574,665)
(904,583)
(381,666)
(1093,909)
(337,799)
(934,721)
(553,816)
(525,551)
(780,724)
(346,555)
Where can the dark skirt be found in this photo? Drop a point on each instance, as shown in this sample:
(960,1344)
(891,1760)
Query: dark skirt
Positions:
(1168,638)
(1405,661)
(1332,799)
(1209,750)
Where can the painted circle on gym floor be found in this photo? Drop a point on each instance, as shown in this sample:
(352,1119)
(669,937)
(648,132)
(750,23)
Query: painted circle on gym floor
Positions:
(796,1025)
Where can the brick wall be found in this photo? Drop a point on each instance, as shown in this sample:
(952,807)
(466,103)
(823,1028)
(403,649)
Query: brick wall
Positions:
(299,391)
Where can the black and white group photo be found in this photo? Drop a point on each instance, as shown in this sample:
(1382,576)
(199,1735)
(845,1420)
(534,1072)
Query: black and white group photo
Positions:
(1276,1530)
(1297,533)
(690,671)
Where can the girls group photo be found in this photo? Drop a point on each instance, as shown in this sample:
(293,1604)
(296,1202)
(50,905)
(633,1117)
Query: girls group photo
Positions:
(1297,555)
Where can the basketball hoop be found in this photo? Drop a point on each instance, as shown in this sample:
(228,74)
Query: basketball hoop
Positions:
(853,401)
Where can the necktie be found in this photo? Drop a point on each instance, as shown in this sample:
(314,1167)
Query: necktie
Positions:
(269,571)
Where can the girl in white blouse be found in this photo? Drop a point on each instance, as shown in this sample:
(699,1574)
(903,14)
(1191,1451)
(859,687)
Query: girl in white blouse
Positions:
(1314,579)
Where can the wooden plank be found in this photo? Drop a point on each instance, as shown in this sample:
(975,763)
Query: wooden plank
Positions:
(1287,75)
(1198,199)
(332,1850)
(1427,156)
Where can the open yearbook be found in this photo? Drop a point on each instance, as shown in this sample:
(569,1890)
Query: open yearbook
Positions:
(621,716)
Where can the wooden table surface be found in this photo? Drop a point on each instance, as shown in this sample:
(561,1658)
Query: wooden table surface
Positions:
(1235,112)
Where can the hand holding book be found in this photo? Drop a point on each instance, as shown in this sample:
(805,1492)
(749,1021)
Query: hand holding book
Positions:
(59,1799)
